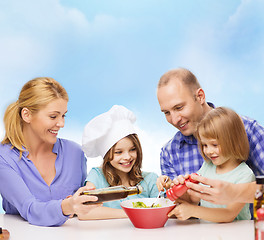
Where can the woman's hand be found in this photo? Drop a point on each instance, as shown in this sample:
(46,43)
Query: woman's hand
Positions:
(90,185)
(163,182)
(74,204)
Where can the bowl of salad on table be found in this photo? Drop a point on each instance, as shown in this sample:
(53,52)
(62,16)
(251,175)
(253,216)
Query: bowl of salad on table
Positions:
(148,212)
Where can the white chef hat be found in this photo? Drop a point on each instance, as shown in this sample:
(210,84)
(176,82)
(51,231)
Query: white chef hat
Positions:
(103,131)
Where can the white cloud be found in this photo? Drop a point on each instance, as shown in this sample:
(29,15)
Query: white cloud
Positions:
(257,87)
(31,33)
(21,54)
(2,130)
(151,143)
(28,38)
(247,10)
(33,36)
(227,56)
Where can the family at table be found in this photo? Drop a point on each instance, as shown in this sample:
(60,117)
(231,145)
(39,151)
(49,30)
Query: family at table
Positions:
(42,176)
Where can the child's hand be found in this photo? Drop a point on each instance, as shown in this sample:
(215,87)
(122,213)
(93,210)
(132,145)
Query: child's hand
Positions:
(180,179)
(182,211)
(163,182)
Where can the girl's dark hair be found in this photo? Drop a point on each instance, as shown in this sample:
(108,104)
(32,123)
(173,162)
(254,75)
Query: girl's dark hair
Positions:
(135,175)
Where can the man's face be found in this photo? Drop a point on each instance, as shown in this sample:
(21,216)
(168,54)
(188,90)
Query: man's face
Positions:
(182,108)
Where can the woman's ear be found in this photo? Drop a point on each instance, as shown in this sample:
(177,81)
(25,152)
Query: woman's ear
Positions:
(26,115)
(200,95)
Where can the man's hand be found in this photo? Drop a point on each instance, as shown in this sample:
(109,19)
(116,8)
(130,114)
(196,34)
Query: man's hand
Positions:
(215,191)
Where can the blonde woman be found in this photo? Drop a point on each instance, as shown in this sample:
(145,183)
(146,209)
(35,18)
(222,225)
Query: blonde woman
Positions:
(38,171)
(224,146)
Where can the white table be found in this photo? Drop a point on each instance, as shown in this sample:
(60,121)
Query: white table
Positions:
(123,229)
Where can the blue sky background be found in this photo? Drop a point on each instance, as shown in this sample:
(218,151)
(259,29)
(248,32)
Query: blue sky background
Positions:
(114,52)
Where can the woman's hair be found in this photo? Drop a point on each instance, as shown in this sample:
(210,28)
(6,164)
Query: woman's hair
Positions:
(224,125)
(34,95)
(135,175)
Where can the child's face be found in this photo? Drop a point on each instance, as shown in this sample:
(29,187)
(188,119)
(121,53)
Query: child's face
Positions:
(125,155)
(212,151)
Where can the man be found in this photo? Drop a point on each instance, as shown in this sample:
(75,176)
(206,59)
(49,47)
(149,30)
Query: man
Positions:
(182,100)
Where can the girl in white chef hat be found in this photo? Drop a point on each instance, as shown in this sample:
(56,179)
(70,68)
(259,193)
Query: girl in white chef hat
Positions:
(112,136)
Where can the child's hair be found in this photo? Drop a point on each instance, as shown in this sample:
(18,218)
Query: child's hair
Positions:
(35,94)
(135,175)
(226,126)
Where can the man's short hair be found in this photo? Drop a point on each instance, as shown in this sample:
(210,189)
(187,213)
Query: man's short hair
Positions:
(182,74)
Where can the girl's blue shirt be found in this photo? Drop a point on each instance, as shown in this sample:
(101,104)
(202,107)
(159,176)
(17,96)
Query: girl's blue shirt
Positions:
(148,184)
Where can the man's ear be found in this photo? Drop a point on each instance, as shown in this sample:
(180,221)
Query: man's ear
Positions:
(26,115)
(200,95)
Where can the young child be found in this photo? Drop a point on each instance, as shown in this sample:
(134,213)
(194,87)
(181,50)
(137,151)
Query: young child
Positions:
(224,146)
(113,136)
